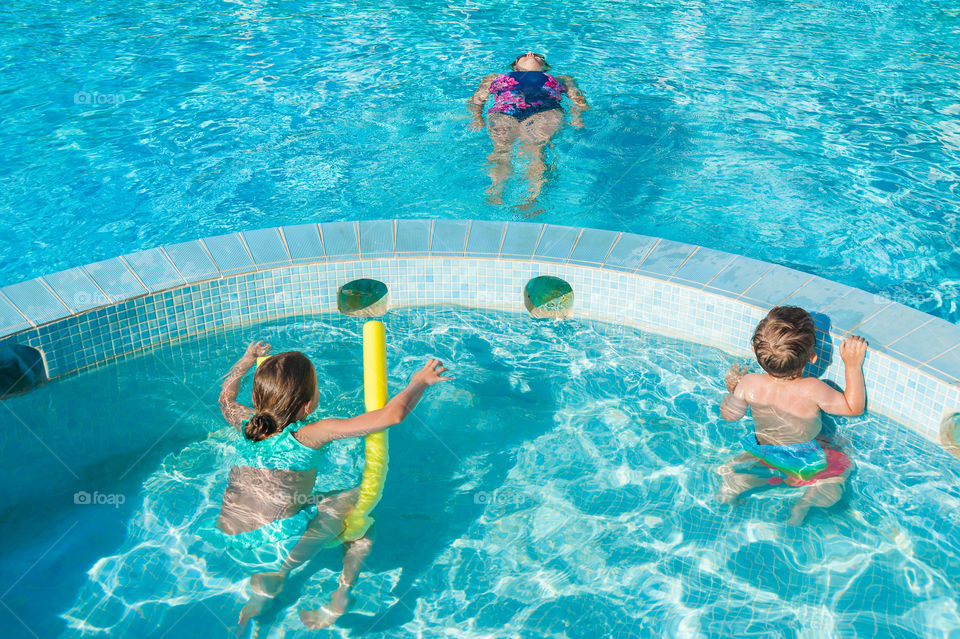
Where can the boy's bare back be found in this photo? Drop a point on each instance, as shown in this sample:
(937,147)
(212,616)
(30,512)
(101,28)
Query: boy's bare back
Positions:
(787,411)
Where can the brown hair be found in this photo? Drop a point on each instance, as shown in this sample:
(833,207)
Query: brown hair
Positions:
(281,386)
(784,341)
(543,61)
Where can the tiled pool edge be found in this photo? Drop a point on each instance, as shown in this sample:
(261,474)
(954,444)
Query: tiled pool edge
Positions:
(85,315)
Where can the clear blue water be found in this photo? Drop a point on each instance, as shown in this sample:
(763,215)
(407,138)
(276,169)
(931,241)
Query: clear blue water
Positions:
(562,486)
(820,135)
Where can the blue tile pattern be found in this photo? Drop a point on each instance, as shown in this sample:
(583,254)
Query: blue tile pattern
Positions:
(520,240)
(556,242)
(948,365)
(737,276)
(115,278)
(912,369)
(817,294)
(192,261)
(37,302)
(304,243)
(666,258)
(413,237)
(154,269)
(776,285)
(896,323)
(931,339)
(340,240)
(75,289)
(485,237)
(449,237)
(266,247)
(853,309)
(376,238)
(701,267)
(229,253)
(11,320)
(593,246)
(629,252)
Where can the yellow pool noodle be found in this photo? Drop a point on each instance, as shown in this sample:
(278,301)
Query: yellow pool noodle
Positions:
(358,520)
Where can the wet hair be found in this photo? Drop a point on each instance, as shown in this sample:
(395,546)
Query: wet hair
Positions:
(784,341)
(281,386)
(543,61)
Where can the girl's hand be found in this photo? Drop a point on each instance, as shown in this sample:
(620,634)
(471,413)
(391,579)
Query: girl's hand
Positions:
(430,374)
(476,124)
(733,376)
(257,349)
(576,121)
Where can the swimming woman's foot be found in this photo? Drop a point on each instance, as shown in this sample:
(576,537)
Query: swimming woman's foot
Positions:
(494,199)
(264,586)
(528,209)
(326,616)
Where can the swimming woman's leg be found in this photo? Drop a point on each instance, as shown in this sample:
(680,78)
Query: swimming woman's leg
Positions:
(354,553)
(503,130)
(535,132)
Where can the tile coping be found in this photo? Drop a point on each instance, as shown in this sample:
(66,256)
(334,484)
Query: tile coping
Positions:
(916,340)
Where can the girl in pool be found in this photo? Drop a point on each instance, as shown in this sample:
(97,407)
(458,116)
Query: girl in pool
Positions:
(268,497)
(526,106)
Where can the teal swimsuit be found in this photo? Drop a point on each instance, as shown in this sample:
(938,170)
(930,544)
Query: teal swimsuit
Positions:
(281,451)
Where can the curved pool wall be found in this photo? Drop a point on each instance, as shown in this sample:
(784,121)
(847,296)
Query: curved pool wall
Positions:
(89,315)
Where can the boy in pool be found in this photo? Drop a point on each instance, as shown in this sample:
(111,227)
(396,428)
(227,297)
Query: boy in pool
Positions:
(786,413)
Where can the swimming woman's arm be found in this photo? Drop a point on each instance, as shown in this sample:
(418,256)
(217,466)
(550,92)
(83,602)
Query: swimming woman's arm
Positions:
(576,96)
(400,405)
(233,411)
(478,99)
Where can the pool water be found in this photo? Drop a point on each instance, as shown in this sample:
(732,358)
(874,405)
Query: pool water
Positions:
(561,486)
(820,135)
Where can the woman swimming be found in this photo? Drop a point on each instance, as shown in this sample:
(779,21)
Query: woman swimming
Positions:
(269,495)
(526,106)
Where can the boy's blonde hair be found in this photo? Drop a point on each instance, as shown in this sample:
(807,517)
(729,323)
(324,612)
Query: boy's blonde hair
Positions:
(784,341)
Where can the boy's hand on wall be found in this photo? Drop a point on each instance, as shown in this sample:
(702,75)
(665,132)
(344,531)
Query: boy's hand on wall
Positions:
(853,350)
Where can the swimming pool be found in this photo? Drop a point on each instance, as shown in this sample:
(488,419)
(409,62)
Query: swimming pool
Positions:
(817,135)
(562,486)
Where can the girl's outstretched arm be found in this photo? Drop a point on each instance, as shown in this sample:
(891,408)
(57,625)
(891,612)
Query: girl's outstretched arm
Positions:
(233,411)
(317,434)
(576,96)
(478,99)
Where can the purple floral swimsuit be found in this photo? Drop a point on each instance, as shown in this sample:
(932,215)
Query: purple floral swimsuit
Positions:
(524,93)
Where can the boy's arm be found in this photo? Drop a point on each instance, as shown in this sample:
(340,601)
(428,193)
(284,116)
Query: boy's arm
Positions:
(478,99)
(733,406)
(852,400)
(317,434)
(233,411)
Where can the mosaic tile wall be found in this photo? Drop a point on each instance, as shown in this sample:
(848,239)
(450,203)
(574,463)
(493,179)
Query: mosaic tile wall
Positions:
(87,315)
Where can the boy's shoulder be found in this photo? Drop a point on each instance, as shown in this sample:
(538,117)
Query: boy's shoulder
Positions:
(757,380)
